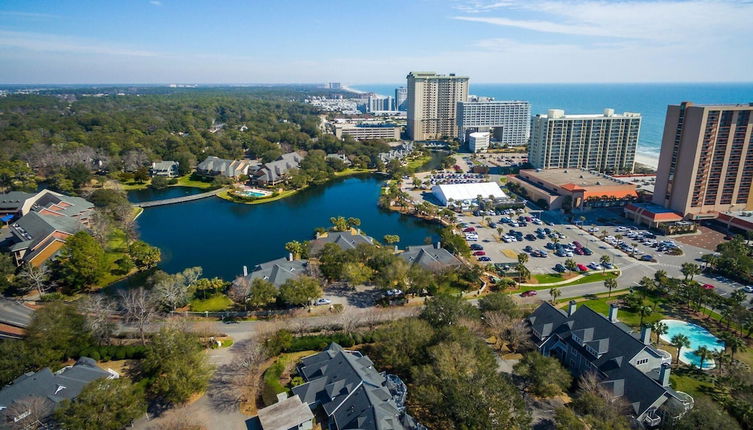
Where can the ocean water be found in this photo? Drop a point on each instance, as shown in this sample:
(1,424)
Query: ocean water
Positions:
(650,100)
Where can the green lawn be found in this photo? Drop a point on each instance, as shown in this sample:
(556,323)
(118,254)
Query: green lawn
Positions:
(185,181)
(115,248)
(217,303)
(353,171)
(418,162)
(226,195)
(688,384)
(556,277)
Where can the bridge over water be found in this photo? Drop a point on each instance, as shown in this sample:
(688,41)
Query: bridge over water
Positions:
(176,200)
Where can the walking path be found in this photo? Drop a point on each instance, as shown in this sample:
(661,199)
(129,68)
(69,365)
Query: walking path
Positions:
(175,200)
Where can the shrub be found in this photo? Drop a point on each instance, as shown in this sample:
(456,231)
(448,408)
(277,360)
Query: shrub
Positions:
(94,355)
(52,297)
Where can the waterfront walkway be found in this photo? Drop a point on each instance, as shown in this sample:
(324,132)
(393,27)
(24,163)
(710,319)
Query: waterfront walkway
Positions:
(179,199)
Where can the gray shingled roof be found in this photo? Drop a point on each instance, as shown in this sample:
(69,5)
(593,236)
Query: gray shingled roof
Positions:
(280,270)
(349,390)
(54,387)
(616,346)
(285,414)
(430,257)
(275,170)
(13,200)
(33,228)
(344,239)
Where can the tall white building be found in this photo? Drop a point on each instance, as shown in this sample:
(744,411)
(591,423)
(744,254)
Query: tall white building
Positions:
(602,142)
(401,99)
(432,101)
(379,103)
(509,122)
(478,141)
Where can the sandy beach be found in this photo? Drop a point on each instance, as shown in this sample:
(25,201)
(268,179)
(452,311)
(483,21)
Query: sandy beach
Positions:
(349,89)
(646,160)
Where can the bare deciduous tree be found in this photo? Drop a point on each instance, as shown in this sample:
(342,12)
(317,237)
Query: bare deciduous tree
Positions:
(32,409)
(37,277)
(239,290)
(98,310)
(139,309)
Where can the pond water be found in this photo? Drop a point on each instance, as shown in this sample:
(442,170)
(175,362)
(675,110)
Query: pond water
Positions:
(222,236)
(149,194)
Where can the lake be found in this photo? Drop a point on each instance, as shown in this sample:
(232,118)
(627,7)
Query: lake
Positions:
(222,236)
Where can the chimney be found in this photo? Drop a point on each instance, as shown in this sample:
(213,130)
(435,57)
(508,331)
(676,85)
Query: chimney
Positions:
(646,334)
(439,245)
(290,256)
(613,312)
(571,308)
(396,249)
(664,374)
(245,270)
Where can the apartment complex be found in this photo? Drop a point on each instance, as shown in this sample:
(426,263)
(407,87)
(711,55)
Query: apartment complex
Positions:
(368,131)
(432,104)
(478,141)
(509,122)
(401,99)
(601,142)
(706,160)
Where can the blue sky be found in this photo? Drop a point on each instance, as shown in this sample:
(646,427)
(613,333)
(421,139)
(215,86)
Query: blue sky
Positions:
(278,41)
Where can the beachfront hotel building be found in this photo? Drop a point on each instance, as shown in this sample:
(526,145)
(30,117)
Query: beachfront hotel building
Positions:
(509,122)
(602,142)
(432,103)
(401,99)
(706,161)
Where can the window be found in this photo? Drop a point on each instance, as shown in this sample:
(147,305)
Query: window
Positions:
(641,361)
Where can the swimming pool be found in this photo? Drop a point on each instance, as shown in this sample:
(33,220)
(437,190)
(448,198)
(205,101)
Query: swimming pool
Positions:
(698,337)
(252,193)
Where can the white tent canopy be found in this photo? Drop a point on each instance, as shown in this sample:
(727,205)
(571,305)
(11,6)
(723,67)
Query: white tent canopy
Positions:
(464,192)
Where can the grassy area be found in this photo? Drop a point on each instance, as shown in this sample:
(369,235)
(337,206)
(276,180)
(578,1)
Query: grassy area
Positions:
(115,248)
(556,277)
(217,303)
(418,162)
(601,305)
(353,171)
(688,384)
(186,181)
(225,194)
(130,186)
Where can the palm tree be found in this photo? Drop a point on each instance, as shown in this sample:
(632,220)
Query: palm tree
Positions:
(647,283)
(524,272)
(500,230)
(660,276)
(659,329)
(645,311)
(610,284)
(680,341)
(571,265)
(710,260)
(522,258)
(689,270)
(554,292)
(703,353)
(555,239)
(604,260)
(719,356)
(734,344)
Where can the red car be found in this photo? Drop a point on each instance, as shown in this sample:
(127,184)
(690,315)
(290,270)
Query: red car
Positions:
(528,293)
(582,268)
(469,230)
(479,253)
(708,287)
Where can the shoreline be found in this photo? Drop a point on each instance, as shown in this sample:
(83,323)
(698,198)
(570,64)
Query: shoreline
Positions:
(646,160)
(352,90)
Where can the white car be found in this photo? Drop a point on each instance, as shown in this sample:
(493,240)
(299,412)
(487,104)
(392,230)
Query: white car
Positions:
(747,289)
(595,266)
(322,301)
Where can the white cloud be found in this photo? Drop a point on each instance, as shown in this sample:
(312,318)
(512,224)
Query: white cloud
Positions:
(156,2)
(55,43)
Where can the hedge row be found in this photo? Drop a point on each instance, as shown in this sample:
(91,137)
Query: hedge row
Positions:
(319,342)
(114,352)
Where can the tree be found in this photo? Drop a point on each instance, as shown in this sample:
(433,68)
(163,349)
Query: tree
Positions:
(141,174)
(659,329)
(523,271)
(98,311)
(56,332)
(543,376)
(7,269)
(300,291)
(403,343)
(160,182)
(354,222)
(689,270)
(734,343)
(261,293)
(445,310)
(499,302)
(703,353)
(357,273)
(391,239)
(207,285)
(176,364)
(454,243)
(37,277)
(644,311)
(565,418)
(16,176)
(144,255)
(295,247)
(239,290)
(604,260)
(610,284)
(82,262)
(339,223)
(139,308)
(680,341)
(707,415)
(571,265)
(554,293)
(105,404)
(522,258)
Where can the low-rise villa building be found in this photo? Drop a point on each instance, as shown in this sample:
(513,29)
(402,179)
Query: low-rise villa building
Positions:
(433,258)
(626,363)
(214,166)
(165,168)
(278,271)
(275,172)
(36,395)
(343,239)
(349,393)
(43,222)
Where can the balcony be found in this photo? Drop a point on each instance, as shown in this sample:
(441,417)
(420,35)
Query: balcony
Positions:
(652,419)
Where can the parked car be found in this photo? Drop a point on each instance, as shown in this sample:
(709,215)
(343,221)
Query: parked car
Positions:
(579,251)
(469,230)
(747,289)
(647,258)
(393,292)
(322,301)
(529,236)
(559,268)
(479,253)
(582,268)
(594,266)
(608,265)
(586,251)
(577,244)
(493,224)
(484,259)
(528,248)
(708,287)
(528,293)
(477,247)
